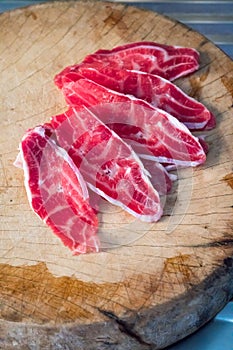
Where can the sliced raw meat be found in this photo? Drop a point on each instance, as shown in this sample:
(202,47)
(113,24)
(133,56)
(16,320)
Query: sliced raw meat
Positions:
(159,177)
(158,91)
(57,192)
(170,62)
(67,75)
(153,133)
(108,164)
(153,89)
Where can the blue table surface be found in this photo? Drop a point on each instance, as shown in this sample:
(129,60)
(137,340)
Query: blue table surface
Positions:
(214,19)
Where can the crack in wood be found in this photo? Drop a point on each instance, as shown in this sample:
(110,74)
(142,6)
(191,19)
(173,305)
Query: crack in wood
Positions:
(215,244)
(124,326)
(202,43)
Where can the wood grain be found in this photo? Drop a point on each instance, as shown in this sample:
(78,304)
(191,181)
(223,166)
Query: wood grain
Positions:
(157,282)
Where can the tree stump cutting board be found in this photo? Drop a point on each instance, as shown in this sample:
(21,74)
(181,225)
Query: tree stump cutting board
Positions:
(153,283)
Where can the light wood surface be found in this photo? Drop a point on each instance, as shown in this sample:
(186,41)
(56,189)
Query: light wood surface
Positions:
(154,283)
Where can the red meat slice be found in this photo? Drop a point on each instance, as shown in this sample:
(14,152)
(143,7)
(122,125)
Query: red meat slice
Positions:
(153,133)
(108,164)
(159,177)
(57,192)
(170,62)
(152,88)
(158,91)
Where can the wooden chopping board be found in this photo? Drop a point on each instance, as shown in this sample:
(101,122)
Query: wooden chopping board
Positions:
(153,284)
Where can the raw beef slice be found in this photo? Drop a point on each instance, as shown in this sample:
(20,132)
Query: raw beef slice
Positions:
(57,192)
(108,164)
(156,90)
(170,62)
(153,133)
